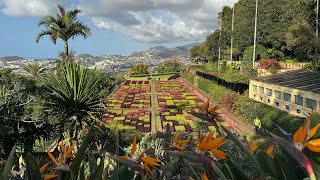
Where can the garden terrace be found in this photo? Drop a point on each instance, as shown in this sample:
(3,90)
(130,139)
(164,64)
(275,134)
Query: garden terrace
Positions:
(133,119)
(181,121)
(132,94)
(173,94)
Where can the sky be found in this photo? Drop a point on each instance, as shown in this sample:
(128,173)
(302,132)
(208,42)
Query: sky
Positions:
(117,26)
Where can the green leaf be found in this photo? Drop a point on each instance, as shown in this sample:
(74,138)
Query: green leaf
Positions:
(92,162)
(7,168)
(124,173)
(98,173)
(236,171)
(218,171)
(33,169)
(81,173)
(283,169)
(81,153)
(128,163)
(194,173)
(244,149)
(265,162)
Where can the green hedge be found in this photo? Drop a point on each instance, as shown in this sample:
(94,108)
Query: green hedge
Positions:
(247,109)
(190,77)
(158,74)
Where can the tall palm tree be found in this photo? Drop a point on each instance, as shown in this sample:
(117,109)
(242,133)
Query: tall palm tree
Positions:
(64,26)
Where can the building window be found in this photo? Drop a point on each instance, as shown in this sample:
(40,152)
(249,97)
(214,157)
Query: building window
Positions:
(287,97)
(298,111)
(312,104)
(269,92)
(278,94)
(269,101)
(254,96)
(277,104)
(254,88)
(261,98)
(299,100)
(261,90)
(287,107)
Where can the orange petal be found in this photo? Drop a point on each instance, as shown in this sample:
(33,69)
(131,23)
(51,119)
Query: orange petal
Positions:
(134,146)
(183,141)
(199,140)
(314,145)
(52,158)
(217,142)
(205,142)
(270,150)
(206,106)
(70,150)
(313,131)
(306,127)
(151,161)
(176,138)
(49,176)
(43,168)
(253,147)
(146,167)
(122,157)
(218,154)
(214,109)
(298,137)
(204,176)
(191,178)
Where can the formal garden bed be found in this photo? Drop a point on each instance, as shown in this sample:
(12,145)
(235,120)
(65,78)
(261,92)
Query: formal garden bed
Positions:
(133,119)
(132,94)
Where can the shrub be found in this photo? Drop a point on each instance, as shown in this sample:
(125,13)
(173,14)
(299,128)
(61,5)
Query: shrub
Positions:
(169,66)
(139,69)
(190,77)
(269,63)
(261,53)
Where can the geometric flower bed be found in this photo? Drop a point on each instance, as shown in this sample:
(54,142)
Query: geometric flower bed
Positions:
(172,94)
(175,98)
(132,94)
(181,121)
(138,119)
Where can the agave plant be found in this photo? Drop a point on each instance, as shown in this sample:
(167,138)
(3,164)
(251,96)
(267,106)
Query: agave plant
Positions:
(71,95)
(34,70)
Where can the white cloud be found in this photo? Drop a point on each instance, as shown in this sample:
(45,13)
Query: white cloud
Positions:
(156,21)
(27,7)
(152,21)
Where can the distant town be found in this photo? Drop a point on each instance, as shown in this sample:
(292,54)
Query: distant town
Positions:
(109,63)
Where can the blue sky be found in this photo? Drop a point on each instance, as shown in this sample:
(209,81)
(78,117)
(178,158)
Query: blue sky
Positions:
(118,26)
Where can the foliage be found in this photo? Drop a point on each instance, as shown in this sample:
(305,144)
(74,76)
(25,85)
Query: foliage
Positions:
(269,64)
(234,66)
(168,66)
(71,94)
(302,40)
(261,53)
(21,121)
(33,70)
(275,18)
(199,53)
(190,77)
(139,69)
(64,26)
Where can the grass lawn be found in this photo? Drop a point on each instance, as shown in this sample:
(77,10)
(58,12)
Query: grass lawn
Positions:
(155,77)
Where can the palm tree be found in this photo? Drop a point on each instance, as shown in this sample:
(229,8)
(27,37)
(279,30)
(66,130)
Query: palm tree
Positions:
(64,26)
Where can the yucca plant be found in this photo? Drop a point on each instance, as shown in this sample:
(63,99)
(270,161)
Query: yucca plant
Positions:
(34,70)
(71,94)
